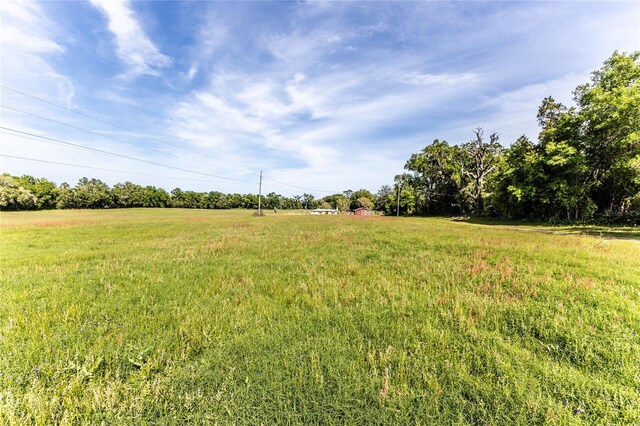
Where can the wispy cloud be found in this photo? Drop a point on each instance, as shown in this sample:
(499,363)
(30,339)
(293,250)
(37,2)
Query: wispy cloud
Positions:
(29,41)
(421,79)
(134,47)
(325,95)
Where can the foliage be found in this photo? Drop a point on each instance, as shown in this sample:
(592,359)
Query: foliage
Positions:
(45,191)
(365,202)
(609,119)
(15,197)
(585,164)
(436,179)
(384,199)
(87,194)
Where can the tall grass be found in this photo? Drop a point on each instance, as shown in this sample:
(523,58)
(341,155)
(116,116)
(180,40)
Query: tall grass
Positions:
(182,316)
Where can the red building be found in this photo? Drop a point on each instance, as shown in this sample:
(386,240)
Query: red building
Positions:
(362,212)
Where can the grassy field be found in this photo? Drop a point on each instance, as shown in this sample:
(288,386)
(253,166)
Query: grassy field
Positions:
(176,316)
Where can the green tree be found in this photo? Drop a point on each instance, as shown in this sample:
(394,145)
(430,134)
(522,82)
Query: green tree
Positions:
(365,202)
(403,191)
(436,178)
(272,201)
(128,195)
(520,178)
(15,197)
(357,195)
(309,201)
(384,199)
(343,204)
(609,114)
(45,191)
(92,194)
(155,197)
(66,199)
(250,201)
(235,201)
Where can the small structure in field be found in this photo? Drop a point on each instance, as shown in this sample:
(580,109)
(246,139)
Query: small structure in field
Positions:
(362,211)
(324,211)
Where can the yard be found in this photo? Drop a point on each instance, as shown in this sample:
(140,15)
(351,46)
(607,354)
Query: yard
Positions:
(195,316)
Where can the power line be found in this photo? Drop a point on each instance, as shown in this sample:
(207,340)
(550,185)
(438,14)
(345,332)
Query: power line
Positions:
(32,136)
(93,118)
(104,121)
(89,131)
(120,155)
(120,140)
(67,124)
(104,169)
(97,119)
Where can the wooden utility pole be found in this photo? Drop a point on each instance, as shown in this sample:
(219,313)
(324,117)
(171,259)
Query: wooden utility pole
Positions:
(260,196)
(398,207)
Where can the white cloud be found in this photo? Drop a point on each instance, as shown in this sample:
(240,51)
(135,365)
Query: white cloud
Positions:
(337,96)
(193,70)
(299,78)
(28,41)
(133,46)
(419,79)
(261,120)
(510,113)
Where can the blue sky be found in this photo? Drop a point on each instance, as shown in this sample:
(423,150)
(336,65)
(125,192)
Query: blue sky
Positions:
(319,95)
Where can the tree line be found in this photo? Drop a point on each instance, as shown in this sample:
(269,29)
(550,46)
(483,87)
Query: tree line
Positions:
(30,193)
(585,164)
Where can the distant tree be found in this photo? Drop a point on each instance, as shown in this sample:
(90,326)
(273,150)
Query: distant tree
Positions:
(384,199)
(66,199)
(290,202)
(309,201)
(436,179)
(334,200)
(365,202)
(343,204)
(128,195)
(250,201)
(15,197)
(222,202)
(235,201)
(188,199)
(272,201)
(155,197)
(194,200)
(212,199)
(45,191)
(407,196)
(177,197)
(92,194)
(356,195)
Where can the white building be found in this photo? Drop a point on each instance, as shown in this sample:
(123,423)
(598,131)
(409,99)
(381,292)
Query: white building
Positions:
(324,211)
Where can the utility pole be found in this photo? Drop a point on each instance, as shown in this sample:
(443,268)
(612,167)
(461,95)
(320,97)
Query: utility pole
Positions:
(260,196)
(398,207)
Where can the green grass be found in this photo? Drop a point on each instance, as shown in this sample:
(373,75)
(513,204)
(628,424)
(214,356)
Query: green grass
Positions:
(176,316)
(617,232)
